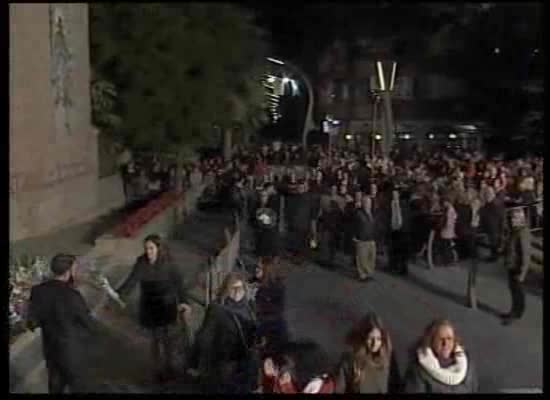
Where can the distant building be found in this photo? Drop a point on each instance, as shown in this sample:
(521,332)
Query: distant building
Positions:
(421,98)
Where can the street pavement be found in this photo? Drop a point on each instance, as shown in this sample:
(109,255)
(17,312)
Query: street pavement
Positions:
(323,304)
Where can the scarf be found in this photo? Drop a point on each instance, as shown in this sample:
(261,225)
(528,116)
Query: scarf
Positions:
(451,376)
(240,308)
(396,216)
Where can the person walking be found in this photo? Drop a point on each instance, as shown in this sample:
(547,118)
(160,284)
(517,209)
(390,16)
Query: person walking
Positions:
(266,219)
(330,226)
(225,357)
(124,160)
(492,219)
(371,366)
(302,216)
(59,310)
(365,245)
(517,260)
(439,363)
(448,233)
(399,240)
(162,297)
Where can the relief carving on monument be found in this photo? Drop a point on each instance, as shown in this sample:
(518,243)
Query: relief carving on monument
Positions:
(61,68)
(26,182)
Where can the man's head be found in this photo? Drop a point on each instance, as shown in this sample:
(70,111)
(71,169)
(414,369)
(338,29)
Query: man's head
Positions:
(63,267)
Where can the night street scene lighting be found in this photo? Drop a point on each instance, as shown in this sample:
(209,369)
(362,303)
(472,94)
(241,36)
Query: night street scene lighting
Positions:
(249,198)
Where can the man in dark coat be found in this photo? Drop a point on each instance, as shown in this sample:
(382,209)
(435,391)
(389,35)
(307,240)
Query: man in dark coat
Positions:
(64,318)
(399,236)
(330,228)
(238,199)
(517,260)
(302,212)
(492,217)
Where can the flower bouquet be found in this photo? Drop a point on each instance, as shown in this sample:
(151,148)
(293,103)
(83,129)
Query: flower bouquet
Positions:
(90,273)
(25,272)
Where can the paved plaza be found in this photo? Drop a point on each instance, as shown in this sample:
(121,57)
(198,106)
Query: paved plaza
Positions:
(323,304)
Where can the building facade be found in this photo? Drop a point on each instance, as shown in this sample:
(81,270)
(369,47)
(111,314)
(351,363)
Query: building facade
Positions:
(53,146)
(421,98)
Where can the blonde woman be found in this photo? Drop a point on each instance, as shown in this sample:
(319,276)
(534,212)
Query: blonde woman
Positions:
(371,366)
(225,356)
(440,364)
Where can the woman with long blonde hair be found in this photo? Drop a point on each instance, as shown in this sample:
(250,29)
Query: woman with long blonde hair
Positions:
(439,363)
(371,366)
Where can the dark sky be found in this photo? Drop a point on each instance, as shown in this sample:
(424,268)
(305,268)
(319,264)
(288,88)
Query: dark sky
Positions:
(296,27)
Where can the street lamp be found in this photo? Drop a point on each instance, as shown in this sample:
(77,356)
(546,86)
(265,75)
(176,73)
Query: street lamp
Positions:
(308,122)
(385,93)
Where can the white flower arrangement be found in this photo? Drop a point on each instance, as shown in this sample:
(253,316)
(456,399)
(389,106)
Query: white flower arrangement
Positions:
(90,273)
(25,272)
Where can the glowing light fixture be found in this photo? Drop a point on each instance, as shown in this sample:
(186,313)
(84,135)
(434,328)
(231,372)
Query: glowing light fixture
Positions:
(393,71)
(274,60)
(406,136)
(378,137)
(468,127)
(452,136)
(381,81)
(349,137)
(431,136)
(497,50)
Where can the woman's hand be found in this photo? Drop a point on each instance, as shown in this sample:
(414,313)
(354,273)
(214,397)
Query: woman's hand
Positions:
(269,368)
(185,309)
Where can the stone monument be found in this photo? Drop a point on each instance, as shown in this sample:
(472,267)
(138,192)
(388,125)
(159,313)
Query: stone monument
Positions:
(53,146)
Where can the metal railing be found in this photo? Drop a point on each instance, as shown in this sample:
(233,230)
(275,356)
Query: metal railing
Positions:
(222,264)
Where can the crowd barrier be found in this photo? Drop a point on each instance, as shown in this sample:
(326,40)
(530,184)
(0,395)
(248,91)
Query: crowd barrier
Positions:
(222,264)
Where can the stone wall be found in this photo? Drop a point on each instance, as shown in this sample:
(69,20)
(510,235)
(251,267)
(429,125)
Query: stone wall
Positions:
(53,169)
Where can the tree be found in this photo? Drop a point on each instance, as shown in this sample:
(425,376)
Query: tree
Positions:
(177,68)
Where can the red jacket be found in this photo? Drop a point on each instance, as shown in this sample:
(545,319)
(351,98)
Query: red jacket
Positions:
(271,385)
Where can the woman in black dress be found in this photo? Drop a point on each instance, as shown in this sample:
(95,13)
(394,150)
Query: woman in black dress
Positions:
(162,297)
(267,228)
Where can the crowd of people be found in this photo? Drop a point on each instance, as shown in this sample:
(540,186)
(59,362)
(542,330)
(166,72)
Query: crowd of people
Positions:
(339,203)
